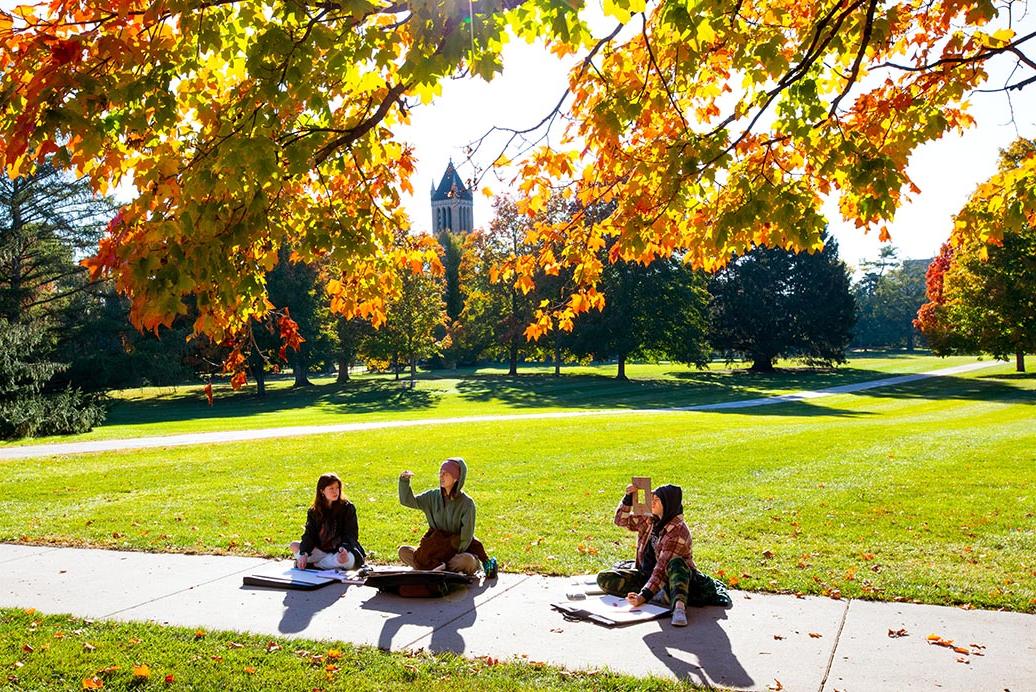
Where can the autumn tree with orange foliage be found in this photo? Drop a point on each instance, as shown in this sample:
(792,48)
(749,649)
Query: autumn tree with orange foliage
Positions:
(248,126)
(980,296)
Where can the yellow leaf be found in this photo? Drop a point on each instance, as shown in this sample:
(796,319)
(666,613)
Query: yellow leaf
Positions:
(141,670)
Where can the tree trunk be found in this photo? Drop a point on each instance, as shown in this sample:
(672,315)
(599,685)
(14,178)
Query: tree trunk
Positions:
(621,375)
(343,370)
(762,364)
(413,371)
(557,358)
(301,376)
(1019,361)
(512,358)
(260,381)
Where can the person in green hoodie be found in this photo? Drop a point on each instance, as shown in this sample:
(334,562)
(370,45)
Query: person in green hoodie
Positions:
(450,541)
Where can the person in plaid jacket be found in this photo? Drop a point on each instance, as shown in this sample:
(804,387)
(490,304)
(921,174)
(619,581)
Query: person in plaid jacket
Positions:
(664,561)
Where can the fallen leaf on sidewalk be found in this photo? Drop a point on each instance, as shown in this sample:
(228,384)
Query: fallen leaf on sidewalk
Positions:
(962,650)
(776,686)
(961,659)
(778,637)
(939,641)
(557,630)
(894,634)
(816,635)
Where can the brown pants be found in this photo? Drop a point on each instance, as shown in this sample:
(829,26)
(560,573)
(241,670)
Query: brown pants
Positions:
(438,547)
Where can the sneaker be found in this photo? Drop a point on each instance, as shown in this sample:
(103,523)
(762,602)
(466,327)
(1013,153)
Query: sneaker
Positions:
(680,617)
(490,568)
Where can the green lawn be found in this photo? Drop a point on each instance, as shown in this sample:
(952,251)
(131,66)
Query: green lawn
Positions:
(56,652)
(923,491)
(453,393)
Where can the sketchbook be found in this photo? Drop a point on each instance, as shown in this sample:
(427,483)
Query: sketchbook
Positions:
(610,611)
(301,579)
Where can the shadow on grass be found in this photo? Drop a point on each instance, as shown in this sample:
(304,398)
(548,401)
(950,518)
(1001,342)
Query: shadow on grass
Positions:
(355,397)
(538,391)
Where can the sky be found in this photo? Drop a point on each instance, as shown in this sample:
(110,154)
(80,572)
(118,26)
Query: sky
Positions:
(947,171)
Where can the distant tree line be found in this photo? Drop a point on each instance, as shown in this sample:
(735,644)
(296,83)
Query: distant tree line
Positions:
(65,340)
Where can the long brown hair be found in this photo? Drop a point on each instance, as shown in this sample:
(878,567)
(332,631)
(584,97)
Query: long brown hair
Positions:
(320,505)
(326,511)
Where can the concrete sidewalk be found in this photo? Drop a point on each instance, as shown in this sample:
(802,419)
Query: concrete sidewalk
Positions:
(30,451)
(802,643)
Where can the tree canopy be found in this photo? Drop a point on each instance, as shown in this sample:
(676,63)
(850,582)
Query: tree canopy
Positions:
(248,126)
(981,297)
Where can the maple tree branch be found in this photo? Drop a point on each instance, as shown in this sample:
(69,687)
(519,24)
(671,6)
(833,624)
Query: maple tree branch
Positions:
(548,119)
(854,73)
(984,54)
(661,77)
(363,127)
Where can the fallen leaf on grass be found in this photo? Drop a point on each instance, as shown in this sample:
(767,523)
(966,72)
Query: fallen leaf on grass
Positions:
(334,654)
(141,670)
(29,611)
(87,646)
(867,556)
(199,634)
(768,554)
(217,658)
(94,683)
(250,670)
(169,679)
(27,648)
(235,645)
(893,634)
(59,635)
(134,640)
(272,646)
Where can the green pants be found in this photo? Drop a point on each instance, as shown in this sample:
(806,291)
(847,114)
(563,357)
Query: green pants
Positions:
(620,581)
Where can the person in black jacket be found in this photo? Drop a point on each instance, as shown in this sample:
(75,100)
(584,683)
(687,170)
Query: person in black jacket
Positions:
(331,539)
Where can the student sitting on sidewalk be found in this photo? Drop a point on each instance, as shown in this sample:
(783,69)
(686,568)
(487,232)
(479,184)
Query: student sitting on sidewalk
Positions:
(331,539)
(450,541)
(664,561)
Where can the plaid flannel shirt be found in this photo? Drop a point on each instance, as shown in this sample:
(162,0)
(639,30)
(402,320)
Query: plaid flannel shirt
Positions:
(675,541)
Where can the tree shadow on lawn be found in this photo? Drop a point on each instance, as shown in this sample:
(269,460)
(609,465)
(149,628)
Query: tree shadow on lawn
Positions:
(684,389)
(351,398)
(732,387)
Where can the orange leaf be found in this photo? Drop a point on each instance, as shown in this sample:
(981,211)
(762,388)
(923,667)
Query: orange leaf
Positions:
(250,670)
(141,670)
(199,634)
(208,392)
(94,683)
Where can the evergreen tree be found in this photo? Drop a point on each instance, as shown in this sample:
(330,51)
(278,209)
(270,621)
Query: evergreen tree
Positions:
(27,407)
(771,303)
